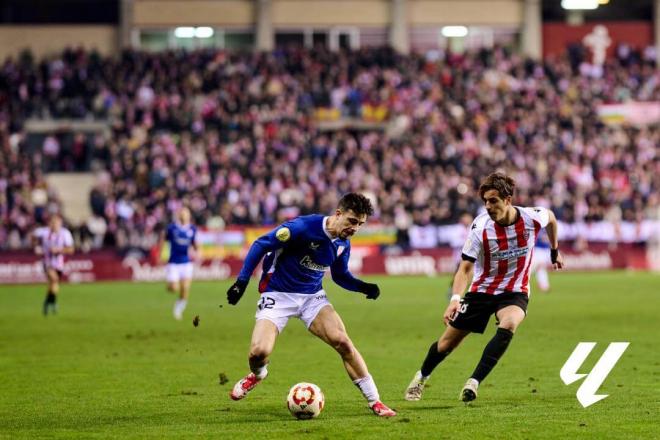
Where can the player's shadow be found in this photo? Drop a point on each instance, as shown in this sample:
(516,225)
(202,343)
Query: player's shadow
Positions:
(427,408)
(268,415)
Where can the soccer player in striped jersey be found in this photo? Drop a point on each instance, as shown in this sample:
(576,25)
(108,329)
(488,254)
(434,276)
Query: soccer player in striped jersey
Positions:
(498,251)
(296,256)
(52,243)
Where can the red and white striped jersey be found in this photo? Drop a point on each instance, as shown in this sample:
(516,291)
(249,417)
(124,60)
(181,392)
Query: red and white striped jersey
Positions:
(503,254)
(49,240)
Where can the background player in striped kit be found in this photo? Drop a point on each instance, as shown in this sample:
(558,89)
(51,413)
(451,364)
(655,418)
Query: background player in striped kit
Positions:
(499,251)
(53,242)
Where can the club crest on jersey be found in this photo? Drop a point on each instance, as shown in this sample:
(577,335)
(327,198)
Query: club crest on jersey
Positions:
(526,234)
(340,249)
(283,234)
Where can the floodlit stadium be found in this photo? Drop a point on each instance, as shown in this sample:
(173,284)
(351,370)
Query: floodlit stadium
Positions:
(287,218)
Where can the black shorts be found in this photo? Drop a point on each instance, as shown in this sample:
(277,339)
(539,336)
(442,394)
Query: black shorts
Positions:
(60,273)
(476,309)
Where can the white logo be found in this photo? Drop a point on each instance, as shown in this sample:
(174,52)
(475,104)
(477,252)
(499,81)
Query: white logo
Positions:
(313,246)
(340,249)
(586,394)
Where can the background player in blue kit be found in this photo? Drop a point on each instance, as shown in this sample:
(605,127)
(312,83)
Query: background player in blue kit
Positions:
(181,236)
(297,254)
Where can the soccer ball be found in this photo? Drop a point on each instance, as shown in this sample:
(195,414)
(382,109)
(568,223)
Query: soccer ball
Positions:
(305,400)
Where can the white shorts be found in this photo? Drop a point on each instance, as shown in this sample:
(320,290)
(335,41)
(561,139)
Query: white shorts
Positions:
(278,307)
(179,271)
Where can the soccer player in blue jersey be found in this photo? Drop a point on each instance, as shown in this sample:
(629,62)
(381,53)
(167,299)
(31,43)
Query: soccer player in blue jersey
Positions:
(297,254)
(540,262)
(181,236)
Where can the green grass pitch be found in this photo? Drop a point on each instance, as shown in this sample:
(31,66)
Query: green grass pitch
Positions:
(115,364)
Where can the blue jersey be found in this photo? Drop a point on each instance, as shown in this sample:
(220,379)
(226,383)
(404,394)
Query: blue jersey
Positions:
(180,239)
(297,254)
(543,242)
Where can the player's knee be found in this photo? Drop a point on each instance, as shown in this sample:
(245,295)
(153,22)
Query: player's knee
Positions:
(343,344)
(509,324)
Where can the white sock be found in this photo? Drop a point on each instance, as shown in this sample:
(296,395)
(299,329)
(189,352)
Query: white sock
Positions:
(542,279)
(368,387)
(421,378)
(180,306)
(261,372)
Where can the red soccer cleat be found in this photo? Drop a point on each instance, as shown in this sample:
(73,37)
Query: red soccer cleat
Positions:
(244,386)
(381,410)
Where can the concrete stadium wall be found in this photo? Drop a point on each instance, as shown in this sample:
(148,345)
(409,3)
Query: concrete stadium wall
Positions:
(156,13)
(466,12)
(47,39)
(291,13)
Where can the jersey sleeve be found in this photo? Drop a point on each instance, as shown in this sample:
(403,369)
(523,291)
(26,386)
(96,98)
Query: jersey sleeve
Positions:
(38,233)
(341,275)
(68,238)
(539,214)
(169,232)
(278,238)
(473,244)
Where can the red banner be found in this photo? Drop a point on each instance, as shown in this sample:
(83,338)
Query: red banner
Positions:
(16,268)
(636,34)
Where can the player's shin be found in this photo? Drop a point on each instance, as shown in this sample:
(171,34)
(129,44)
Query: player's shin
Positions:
(433,358)
(492,353)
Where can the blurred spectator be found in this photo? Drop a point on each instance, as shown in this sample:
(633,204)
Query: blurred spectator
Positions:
(234,136)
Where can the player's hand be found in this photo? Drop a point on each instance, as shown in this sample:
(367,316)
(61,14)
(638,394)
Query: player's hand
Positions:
(372,291)
(557,259)
(236,291)
(451,311)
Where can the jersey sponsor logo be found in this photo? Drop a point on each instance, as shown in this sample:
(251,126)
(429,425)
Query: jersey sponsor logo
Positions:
(283,234)
(311,265)
(510,253)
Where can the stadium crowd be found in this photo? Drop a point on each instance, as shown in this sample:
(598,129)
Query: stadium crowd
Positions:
(236,137)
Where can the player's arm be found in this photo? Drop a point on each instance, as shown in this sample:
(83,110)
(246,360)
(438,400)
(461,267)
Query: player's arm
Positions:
(552,230)
(274,240)
(193,244)
(67,249)
(36,245)
(344,278)
(461,279)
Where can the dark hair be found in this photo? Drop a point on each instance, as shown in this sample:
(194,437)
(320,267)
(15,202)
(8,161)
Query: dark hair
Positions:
(357,203)
(500,182)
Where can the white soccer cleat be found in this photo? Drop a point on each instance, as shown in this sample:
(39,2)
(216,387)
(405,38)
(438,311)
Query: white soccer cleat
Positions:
(469,392)
(244,386)
(177,315)
(416,388)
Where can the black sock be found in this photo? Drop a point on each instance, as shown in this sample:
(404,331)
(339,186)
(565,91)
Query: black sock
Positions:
(492,353)
(433,358)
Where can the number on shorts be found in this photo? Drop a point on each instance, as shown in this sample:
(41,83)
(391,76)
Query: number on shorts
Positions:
(266,303)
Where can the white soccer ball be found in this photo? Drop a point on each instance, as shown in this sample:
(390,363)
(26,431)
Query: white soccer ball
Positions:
(305,400)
